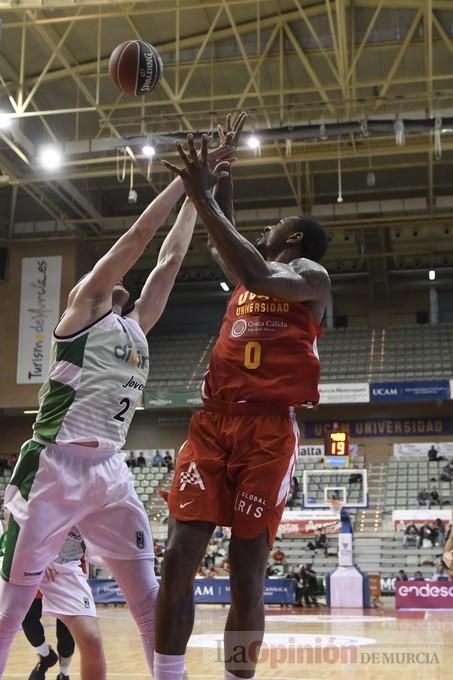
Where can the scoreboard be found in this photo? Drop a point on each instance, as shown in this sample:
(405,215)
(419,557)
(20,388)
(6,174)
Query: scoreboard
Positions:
(337,448)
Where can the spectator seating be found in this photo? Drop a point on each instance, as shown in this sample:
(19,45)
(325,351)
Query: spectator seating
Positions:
(394,353)
(178,360)
(406,478)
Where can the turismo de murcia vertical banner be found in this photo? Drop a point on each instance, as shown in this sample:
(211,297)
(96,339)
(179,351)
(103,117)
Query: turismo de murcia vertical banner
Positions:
(38,316)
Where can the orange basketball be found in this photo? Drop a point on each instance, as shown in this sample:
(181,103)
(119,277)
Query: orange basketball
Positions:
(135,67)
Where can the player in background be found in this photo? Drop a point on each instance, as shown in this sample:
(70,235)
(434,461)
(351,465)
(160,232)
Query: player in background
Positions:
(64,593)
(35,634)
(70,472)
(237,464)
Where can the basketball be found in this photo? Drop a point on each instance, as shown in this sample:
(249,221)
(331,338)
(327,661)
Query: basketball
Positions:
(135,67)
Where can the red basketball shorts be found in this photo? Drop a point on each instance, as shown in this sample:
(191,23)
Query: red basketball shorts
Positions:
(235,470)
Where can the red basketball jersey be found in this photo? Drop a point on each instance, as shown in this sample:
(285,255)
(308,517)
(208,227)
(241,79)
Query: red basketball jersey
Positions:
(266,351)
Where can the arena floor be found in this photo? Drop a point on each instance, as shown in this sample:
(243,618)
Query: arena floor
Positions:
(313,644)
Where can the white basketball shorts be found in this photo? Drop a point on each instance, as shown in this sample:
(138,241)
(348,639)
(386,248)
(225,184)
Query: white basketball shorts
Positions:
(53,488)
(68,594)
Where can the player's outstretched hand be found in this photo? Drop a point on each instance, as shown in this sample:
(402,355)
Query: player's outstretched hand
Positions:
(231,133)
(196,174)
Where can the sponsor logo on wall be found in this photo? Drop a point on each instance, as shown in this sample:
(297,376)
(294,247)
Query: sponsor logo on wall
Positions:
(38,315)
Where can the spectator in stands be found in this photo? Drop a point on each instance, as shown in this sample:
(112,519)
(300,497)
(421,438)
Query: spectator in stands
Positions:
(168,461)
(201,573)
(131,462)
(293,489)
(424,498)
(355,478)
(141,460)
(435,498)
(292,574)
(320,542)
(402,576)
(428,533)
(439,530)
(440,573)
(433,454)
(418,576)
(157,459)
(212,573)
(447,473)
(278,556)
(411,535)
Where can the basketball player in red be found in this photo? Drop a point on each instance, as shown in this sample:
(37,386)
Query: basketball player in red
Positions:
(236,466)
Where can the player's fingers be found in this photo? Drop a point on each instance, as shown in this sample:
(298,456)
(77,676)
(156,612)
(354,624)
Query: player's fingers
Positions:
(182,155)
(239,124)
(173,168)
(192,149)
(204,149)
(220,133)
(222,169)
(228,123)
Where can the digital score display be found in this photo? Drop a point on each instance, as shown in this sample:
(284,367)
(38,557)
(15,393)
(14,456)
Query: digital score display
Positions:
(337,444)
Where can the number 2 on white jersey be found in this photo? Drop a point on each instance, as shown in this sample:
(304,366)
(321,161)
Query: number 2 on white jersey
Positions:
(252,355)
(126,404)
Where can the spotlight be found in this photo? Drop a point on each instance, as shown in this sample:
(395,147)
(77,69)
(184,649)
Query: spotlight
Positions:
(370,179)
(5,121)
(432,275)
(50,157)
(224,286)
(253,142)
(148,150)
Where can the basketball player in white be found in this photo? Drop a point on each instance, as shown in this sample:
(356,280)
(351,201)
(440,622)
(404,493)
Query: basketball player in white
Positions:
(70,472)
(67,596)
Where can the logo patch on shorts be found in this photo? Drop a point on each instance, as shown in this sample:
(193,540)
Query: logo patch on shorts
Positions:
(140,540)
(86,602)
(191,476)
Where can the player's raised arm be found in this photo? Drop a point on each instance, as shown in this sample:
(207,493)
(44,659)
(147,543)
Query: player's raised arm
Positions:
(159,283)
(98,284)
(295,282)
(223,190)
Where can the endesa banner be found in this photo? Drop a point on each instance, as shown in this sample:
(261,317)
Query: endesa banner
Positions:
(410,390)
(206,591)
(424,594)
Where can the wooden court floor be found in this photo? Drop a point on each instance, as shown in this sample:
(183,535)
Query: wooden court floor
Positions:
(378,644)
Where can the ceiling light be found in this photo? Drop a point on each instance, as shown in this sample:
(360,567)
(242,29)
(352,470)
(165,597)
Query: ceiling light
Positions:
(31,411)
(253,142)
(224,286)
(148,150)
(432,275)
(5,121)
(140,408)
(50,157)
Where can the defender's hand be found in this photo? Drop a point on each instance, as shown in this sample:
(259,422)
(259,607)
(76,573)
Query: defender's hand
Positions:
(197,176)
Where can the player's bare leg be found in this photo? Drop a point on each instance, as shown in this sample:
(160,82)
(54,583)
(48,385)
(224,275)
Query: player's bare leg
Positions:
(187,543)
(244,628)
(85,631)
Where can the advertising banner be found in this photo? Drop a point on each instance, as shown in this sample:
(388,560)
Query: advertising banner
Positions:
(206,590)
(296,523)
(411,390)
(402,518)
(424,594)
(344,393)
(381,427)
(311,452)
(39,311)
(162,399)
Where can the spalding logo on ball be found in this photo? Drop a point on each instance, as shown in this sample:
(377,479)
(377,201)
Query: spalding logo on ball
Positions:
(135,67)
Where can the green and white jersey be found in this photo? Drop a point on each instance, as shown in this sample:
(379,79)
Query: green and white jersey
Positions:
(96,379)
(73,549)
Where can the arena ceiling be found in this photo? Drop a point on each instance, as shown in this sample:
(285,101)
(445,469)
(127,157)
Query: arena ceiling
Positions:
(352,99)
